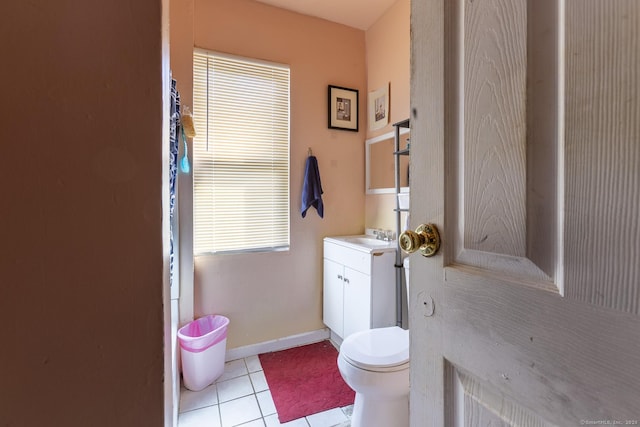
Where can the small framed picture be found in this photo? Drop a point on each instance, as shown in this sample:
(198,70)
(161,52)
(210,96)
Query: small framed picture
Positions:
(379,108)
(343,108)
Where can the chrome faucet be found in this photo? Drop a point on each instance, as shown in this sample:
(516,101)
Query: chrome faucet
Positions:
(386,235)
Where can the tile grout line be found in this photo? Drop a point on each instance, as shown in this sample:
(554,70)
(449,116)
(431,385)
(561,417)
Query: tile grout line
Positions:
(255,393)
(218,400)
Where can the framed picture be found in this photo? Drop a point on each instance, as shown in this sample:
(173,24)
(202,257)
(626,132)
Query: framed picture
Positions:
(343,108)
(379,108)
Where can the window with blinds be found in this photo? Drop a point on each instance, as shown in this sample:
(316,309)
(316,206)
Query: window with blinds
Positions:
(240,154)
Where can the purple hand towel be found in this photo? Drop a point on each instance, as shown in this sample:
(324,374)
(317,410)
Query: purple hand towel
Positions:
(312,188)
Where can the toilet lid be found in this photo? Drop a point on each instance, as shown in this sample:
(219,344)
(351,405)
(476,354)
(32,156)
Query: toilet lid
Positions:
(377,348)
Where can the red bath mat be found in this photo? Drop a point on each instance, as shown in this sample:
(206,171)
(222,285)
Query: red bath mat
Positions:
(305,380)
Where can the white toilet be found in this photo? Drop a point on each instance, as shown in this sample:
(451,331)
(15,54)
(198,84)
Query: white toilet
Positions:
(375,364)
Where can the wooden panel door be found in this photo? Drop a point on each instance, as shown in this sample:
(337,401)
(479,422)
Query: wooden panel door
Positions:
(525,153)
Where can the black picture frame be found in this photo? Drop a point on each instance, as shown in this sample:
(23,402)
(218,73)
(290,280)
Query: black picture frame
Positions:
(343,108)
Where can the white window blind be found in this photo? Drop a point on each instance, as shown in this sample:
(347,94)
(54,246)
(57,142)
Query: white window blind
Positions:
(241,154)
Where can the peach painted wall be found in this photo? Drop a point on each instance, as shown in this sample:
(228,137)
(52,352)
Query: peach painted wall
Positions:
(273,295)
(388,63)
(81,292)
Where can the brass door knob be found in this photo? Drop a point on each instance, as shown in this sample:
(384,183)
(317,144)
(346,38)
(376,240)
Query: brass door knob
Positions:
(426,239)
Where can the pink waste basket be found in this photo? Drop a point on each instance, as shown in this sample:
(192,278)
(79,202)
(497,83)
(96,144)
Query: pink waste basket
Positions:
(202,349)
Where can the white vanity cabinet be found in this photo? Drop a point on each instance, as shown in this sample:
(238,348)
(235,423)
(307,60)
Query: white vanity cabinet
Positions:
(359,284)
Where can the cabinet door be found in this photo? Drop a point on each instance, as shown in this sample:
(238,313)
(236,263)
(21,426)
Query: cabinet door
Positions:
(333,300)
(357,301)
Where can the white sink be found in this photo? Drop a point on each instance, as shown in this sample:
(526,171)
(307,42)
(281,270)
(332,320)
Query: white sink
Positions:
(366,241)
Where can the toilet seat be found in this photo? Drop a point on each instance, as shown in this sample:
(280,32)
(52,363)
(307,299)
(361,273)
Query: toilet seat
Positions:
(379,350)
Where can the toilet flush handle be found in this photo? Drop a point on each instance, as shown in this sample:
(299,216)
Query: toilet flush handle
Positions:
(426,239)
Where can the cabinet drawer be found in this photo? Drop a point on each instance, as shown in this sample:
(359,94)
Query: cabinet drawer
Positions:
(357,260)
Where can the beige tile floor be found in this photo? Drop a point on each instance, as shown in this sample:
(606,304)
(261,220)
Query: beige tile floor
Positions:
(241,398)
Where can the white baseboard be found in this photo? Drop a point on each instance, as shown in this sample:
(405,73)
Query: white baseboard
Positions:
(277,345)
(335,340)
